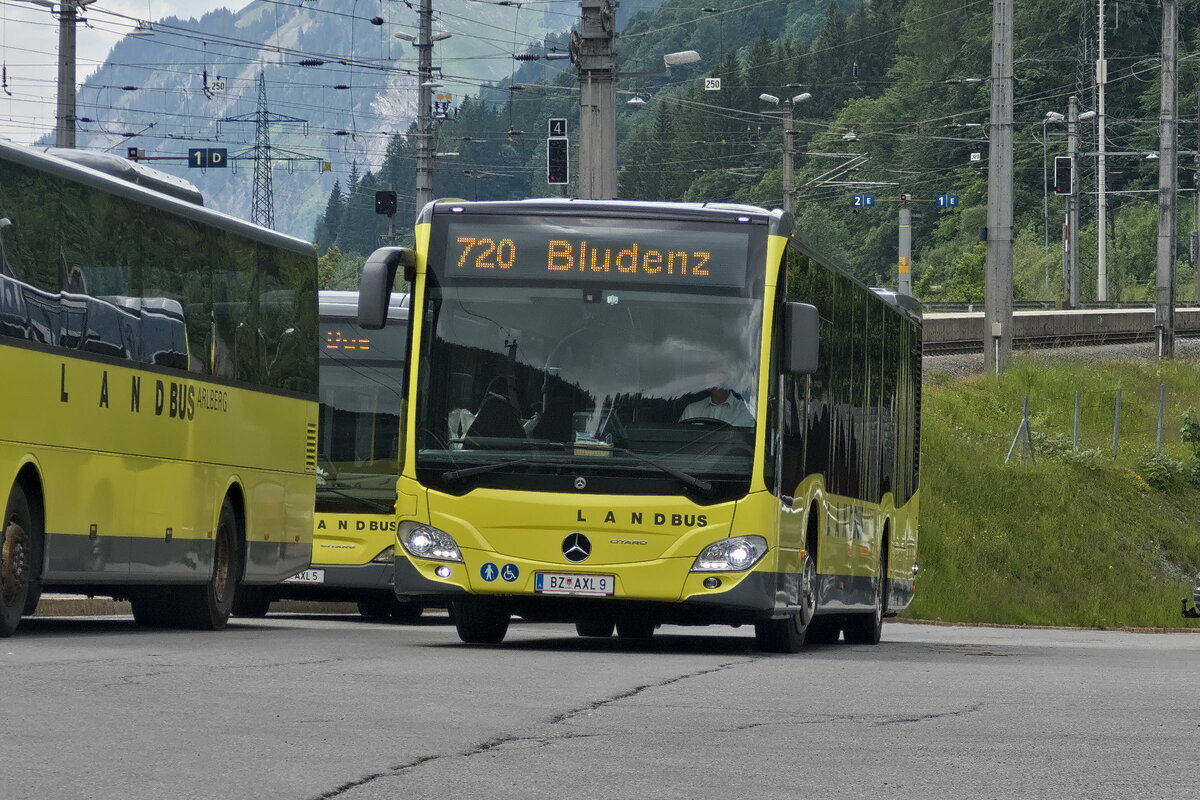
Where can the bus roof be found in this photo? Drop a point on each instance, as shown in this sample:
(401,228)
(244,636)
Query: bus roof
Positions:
(336,303)
(87,176)
(131,171)
(780,222)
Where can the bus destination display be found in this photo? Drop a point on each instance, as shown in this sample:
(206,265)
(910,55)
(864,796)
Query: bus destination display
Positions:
(343,339)
(523,249)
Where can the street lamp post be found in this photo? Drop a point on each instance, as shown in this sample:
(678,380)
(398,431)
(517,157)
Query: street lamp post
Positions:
(1051,116)
(789,148)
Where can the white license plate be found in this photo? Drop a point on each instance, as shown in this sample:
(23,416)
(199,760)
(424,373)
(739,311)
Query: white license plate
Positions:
(308,576)
(573,583)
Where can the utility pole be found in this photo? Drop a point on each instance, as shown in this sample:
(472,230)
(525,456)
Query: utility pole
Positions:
(1071,250)
(424,188)
(1168,156)
(1101,188)
(904,284)
(593,51)
(997,312)
(1196,200)
(789,160)
(64,124)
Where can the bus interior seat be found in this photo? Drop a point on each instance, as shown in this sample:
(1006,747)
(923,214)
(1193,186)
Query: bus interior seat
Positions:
(496,419)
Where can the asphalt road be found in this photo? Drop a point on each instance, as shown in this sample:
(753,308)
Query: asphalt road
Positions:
(334,707)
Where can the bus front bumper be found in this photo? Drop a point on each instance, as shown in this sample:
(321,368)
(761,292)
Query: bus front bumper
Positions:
(739,597)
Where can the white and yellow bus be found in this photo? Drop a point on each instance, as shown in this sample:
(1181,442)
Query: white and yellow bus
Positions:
(621,417)
(354,530)
(158,427)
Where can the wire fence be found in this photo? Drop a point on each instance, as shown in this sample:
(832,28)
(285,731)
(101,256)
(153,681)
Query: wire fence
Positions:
(1110,421)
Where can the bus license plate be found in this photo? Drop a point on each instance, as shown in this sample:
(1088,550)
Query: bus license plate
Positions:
(568,583)
(308,576)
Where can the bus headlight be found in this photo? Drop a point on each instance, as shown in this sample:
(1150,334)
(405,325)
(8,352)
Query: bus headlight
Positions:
(386,557)
(731,555)
(426,541)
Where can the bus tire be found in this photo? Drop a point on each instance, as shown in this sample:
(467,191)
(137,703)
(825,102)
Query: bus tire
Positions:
(207,607)
(17,539)
(636,629)
(789,634)
(407,611)
(868,628)
(251,601)
(595,628)
(480,622)
(822,631)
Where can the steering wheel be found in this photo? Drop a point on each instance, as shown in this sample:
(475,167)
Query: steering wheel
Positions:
(711,422)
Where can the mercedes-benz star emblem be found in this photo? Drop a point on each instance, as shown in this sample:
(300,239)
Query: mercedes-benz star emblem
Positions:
(576,547)
(581,483)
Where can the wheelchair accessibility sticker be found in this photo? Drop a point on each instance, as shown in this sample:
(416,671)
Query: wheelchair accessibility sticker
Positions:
(510,572)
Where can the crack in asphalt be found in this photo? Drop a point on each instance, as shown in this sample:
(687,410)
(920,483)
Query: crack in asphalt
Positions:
(926,717)
(499,741)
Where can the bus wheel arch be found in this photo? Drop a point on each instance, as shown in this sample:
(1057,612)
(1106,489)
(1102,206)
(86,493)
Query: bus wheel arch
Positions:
(20,549)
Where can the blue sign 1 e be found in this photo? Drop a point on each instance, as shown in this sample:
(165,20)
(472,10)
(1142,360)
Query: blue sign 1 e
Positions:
(947,200)
(862,200)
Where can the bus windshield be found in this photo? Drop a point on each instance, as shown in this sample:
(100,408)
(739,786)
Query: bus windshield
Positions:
(361,375)
(589,382)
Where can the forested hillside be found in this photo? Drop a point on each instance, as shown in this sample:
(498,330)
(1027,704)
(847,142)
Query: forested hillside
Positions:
(899,105)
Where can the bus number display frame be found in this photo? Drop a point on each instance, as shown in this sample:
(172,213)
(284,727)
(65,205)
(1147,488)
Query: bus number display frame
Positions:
(471,248)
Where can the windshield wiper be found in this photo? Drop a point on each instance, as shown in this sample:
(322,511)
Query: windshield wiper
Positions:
(690,480)
(466,472)
(356,498)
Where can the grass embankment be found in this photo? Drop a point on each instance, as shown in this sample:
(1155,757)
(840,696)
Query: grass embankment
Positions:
(1077,538)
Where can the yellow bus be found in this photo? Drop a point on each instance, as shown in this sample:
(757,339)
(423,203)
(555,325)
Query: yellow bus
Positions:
(158,430)
(354,531)
(628,414)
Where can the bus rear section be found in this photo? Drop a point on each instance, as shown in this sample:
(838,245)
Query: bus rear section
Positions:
(354,527)
(600,432)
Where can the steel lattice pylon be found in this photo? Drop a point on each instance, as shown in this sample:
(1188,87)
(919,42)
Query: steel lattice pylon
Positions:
(263,210)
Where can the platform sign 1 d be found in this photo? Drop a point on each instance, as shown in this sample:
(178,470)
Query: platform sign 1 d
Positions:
(863,200)
(206,157)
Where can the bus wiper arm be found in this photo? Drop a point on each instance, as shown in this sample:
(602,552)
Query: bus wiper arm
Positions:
(356,498)
(690,480)
(466,472)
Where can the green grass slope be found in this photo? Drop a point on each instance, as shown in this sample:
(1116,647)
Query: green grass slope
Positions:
(1073,536)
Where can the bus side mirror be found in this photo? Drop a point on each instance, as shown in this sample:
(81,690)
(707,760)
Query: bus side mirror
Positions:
(375,288)
(800,336)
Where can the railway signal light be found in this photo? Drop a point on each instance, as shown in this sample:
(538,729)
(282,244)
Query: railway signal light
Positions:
(1064,175)
(385,203)
(557,166)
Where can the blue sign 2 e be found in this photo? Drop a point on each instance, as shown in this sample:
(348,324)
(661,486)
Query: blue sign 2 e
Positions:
(946,200)
(863,200)
(489,572)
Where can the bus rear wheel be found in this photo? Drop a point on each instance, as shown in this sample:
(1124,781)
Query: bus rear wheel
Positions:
(480,622)
(868,628)
(595,628)
(207,607)
(16,561)
(251,601)
(636,629)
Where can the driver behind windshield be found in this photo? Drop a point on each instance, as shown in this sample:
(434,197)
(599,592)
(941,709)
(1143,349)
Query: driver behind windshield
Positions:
(720,404)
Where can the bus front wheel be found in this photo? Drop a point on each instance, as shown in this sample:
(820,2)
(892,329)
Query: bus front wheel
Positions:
(16,561)
(788,635)
(480,622)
